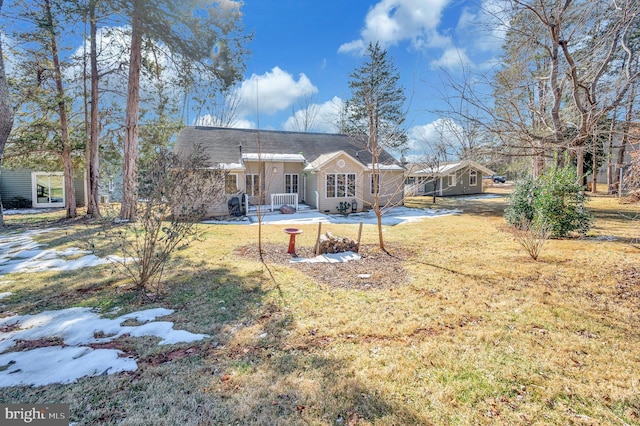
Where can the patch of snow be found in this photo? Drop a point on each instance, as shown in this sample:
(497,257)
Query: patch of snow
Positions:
(479,197)
(26,211)
(20,253)
(5,295)
(78,328)
(392,217)
(56,364)
(346,256)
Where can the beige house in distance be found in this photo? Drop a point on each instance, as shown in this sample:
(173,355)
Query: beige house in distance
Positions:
(273,168)
(455,178)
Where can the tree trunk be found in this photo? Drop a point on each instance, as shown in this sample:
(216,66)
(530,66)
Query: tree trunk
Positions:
(70,195)
(556,88)
(6,115)
(610,153)
(93,201)
(435,188)
(625,135)
(580,163)
(130,159)
(594,180)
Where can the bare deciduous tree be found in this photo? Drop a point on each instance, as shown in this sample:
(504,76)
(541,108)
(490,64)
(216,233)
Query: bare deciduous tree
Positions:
(223,110)
(305,116)
(175,192)
(6,115)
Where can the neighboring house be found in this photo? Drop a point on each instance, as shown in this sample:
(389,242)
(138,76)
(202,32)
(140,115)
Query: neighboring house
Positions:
(459,178)
(22,188)
(318,169)
(619,168)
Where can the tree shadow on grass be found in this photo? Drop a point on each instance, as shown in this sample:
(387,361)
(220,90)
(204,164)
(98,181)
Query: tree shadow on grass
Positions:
(285,380)
(254,368)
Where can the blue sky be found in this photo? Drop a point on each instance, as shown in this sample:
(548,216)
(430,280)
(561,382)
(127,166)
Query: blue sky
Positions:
(306,49)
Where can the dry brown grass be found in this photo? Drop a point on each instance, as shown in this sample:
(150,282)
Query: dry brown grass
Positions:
(470,331)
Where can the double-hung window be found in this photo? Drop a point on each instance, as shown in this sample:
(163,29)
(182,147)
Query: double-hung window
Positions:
(230,183)
(340,185)
(374,185)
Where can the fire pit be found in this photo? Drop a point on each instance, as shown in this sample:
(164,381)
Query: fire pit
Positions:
(292,239)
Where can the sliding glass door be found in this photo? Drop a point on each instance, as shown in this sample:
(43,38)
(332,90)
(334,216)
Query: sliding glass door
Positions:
(48,189)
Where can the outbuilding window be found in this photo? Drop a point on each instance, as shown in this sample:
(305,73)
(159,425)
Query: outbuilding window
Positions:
(473,178)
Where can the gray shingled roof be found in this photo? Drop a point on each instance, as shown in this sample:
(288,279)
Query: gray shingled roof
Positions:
(223,144)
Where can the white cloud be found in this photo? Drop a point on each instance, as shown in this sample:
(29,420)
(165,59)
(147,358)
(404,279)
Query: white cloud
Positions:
(485,27)
(326,116)
(392,21)
(273,91)
(209,120)
(452,58)
(424,138)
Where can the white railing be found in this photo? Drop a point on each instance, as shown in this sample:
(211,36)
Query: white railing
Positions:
(281,199)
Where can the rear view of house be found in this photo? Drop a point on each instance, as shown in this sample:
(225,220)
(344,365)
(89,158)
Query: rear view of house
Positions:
(318,169)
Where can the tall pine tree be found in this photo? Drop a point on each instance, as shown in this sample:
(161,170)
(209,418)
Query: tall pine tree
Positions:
(375,114)
(191,34)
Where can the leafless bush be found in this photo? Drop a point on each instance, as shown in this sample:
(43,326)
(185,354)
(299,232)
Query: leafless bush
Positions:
(175,192)
(530,235)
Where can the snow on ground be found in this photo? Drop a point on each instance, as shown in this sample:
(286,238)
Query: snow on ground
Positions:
(392,217)
(26,211)
(78,328)
(346,256)
(20,253)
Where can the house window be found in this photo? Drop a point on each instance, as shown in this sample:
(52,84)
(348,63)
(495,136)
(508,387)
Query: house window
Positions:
(252,185)
(47,189)
(341,185)
(351,185)
(230,183)
(291,184)
(473,178)
(451,180)
(372,186)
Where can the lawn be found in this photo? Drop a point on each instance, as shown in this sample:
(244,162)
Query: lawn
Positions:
(468,331)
